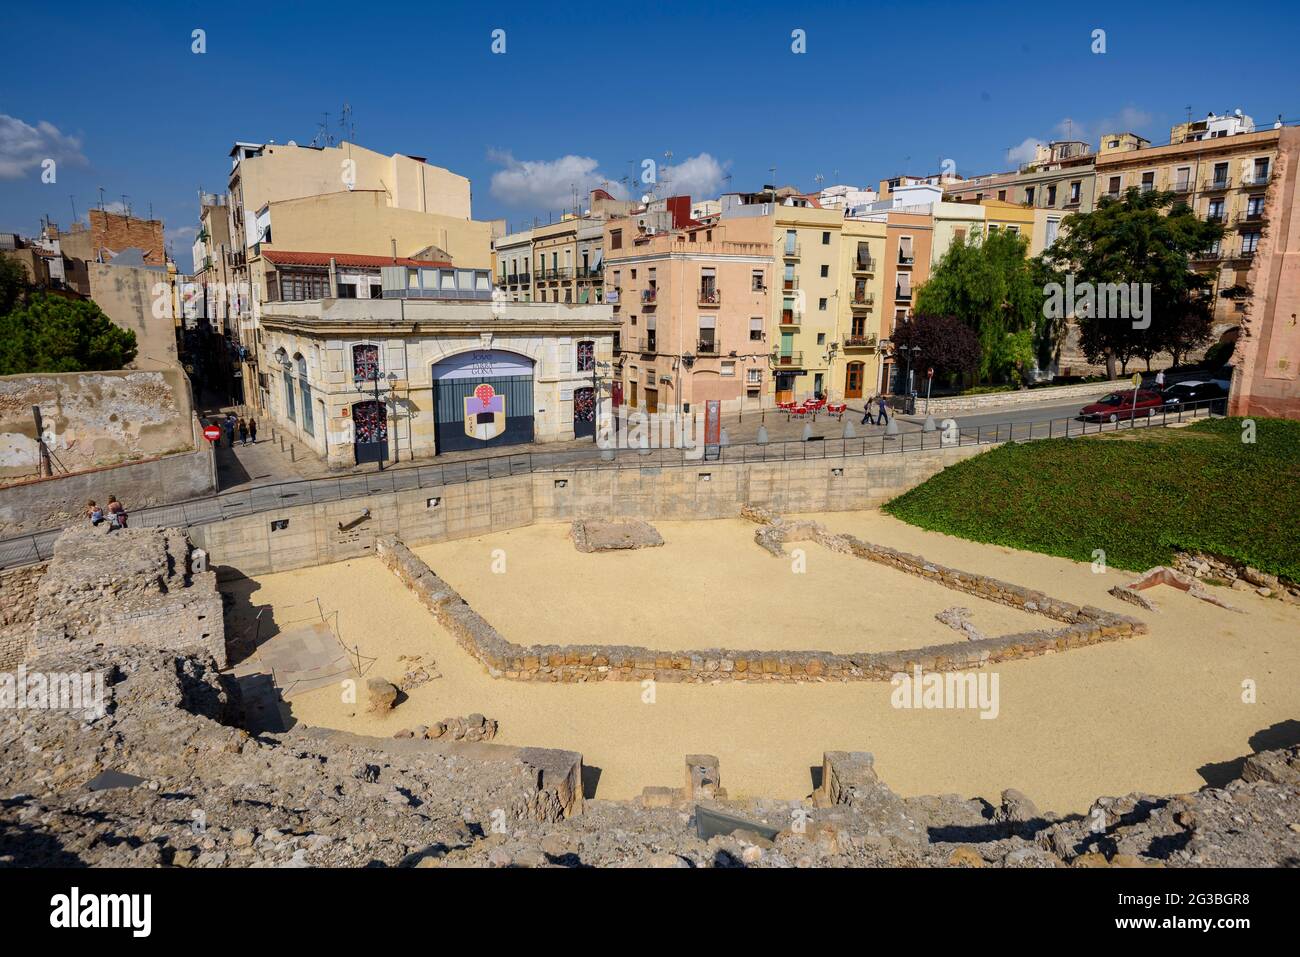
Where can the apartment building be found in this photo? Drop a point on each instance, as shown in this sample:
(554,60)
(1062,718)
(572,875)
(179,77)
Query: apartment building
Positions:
(855,357)
(692,302)
(513,257)
(806,317)
(342,199)
(1012,218)
(954,222)
(1223,175)
(909,240)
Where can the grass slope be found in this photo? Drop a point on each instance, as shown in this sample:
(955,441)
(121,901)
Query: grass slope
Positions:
(1137,495)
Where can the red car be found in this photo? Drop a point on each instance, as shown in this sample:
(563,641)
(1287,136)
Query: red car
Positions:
(1120,405)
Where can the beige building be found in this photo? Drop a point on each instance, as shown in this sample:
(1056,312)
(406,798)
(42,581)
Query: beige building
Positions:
(1224,178)
(512,257)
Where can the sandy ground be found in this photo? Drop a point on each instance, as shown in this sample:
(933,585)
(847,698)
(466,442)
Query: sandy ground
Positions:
(709,585)
(1159,713)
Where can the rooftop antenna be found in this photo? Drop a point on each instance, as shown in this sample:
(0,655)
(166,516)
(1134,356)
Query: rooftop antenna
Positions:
(345,123)
(126,210)
(1189,112)
(73,200)
(101,199)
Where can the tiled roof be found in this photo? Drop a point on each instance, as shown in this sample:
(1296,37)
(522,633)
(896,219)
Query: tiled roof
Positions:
(285,257)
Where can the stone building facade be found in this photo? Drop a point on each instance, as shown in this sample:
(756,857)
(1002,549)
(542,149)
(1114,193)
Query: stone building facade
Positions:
(396,379)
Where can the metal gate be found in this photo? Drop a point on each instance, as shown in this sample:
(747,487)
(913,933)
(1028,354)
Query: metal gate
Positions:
(584,412)
(370,422)
(454,422)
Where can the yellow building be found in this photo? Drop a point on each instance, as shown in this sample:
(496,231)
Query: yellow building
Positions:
(1009,217)
(953,221)
(861,295)
(807,250)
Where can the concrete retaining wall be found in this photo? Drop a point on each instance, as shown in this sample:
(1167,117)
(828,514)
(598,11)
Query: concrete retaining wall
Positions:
(55,502)
(313,536)
(1063,393)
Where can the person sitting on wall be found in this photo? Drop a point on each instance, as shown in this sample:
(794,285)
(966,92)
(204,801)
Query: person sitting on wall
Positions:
(116,514)
(94,512)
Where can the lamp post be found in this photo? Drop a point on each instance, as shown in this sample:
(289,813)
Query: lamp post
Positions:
(370,384)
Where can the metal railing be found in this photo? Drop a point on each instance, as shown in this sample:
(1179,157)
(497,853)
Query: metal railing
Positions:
(269,499)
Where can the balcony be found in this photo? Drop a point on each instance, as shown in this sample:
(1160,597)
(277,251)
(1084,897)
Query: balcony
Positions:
(1146,187)
(789,317)
(647,344)
(790,284)
(1208,256)
(649,296)
(902,295)
(905,260)
(710,297)
(1218,217)
(793,360)
(590,273)
(1112,194)
(864,264)
(512,279)
(524,279)
(790,251)
(1248,218)
(1216,184)
(709,347)
(1256,180)
(863,341)
(1180,188)
(862,300)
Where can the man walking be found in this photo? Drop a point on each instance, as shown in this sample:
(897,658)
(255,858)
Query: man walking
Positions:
(882,416)
(866,412)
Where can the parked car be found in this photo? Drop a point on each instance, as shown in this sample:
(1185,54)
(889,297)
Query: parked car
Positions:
(1197,393)
(1121,405)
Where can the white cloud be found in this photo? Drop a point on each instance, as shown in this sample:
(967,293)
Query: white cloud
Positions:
(1023,153)
(548,184)
(23,147)
(698,176)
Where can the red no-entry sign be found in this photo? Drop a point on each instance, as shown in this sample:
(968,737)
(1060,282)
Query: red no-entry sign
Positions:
(211,433)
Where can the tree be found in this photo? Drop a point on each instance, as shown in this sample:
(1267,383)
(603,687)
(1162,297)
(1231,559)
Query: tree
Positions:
(1134,247)
(947,345)
(990,286)
(14,285)
(52,334)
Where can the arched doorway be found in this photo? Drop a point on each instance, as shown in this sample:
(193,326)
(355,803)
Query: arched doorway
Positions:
(482,399)
(853,380)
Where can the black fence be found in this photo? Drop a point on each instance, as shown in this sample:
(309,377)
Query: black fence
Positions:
(39,546)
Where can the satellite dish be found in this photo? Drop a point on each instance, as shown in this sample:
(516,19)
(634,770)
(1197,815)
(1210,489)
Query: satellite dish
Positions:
(291,143)
(646,198)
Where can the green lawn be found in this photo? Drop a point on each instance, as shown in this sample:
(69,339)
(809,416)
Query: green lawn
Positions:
(1138,495)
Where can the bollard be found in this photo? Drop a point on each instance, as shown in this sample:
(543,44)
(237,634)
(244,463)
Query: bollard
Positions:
(762,435)
(929,424)
(849,431)
(282,443)
(807,431)
(291,453)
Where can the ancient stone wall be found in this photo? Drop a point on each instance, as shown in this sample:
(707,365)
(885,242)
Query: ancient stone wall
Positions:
(580,663)
(18,594)
(132,586)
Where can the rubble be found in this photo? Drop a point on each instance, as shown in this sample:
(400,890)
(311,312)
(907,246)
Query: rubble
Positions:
(596,536)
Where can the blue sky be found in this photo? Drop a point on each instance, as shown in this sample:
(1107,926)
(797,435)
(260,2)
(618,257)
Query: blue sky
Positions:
(584,93)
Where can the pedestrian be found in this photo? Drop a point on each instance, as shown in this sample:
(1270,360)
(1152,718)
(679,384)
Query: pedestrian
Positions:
(1160,380)
(243,432)
(882,415)
(230,432)
(866,413)
(116,513)
(94,512)
(252,430)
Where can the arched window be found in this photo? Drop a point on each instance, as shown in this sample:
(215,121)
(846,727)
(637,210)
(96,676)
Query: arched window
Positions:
(365,361)
(586,356)
(304,389)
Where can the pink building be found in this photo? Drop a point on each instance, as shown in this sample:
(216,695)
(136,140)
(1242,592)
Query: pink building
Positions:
(691,300)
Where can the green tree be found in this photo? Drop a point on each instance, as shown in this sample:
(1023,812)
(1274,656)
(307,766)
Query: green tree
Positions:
(14,286)
(1139,239)
(990,286)
(52,334)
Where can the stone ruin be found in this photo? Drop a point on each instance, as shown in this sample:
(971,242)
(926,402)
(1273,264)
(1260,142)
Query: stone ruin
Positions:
(595,536)
(124,785)
(132,586)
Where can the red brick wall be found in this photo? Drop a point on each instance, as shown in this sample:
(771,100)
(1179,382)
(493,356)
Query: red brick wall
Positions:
(116,232)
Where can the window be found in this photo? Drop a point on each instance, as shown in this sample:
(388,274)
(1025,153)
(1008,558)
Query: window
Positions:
(904,288)
(1076,191)
(1029,196)
(1052,227)
(1182,179)
(1220,179)
(821,338)
(959,235)
(1014,230)
(729,367)
(826,239)
(1002,195)
(1114,186)
(791,243)
(347,290)
(1214,212)
(365,361)
(821,304)
(1255,207)
(616,239)
(826,271)
(755,329)
(299,286)
(308,424)
(756,281)
(753,377)
(1148,181)
(905,250)
(708,337)
(586,356)
(1261,170)
(1051,195)
(1249,243)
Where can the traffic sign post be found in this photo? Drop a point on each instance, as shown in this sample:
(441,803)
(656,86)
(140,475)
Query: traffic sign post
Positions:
(929,381)
(1137,381)
(212,433)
